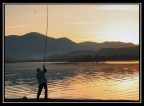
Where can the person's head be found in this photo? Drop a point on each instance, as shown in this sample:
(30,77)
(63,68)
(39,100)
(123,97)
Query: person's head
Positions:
(38,70)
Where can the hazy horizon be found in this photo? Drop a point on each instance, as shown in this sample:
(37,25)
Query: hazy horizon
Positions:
(80,22)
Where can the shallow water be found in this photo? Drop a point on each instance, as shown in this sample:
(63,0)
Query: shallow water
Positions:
(83,80)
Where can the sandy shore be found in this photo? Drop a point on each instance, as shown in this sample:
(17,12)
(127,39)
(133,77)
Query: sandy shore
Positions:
(65,100)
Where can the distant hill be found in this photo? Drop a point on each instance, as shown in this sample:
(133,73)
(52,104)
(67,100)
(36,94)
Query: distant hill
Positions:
(31,46)
(106,44)
(129,53)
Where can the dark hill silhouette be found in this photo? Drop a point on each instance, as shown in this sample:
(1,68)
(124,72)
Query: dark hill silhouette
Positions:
(129,53)
(114,44)
(31,46)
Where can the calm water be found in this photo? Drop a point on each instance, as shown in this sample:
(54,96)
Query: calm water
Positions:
(87,80)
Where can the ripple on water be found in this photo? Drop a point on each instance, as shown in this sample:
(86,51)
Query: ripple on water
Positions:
(84,80)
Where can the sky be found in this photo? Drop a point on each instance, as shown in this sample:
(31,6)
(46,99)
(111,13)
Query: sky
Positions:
(78,22)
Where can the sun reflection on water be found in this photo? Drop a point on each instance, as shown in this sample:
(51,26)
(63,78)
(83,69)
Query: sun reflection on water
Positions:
(83,80)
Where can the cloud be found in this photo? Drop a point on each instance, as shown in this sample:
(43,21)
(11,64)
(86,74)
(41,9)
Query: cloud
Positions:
(117,7)
(12,27)
(98,32)
(82,23)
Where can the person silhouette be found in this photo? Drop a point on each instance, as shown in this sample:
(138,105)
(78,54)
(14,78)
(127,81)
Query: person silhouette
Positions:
(41,81)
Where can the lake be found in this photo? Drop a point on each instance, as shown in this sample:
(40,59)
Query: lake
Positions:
(80,80)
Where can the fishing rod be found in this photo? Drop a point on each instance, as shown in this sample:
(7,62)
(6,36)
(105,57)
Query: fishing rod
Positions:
(45,50)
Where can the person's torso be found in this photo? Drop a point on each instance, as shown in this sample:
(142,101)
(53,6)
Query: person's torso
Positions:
(41,78)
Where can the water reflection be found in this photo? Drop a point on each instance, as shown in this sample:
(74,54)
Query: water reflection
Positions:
(80,80)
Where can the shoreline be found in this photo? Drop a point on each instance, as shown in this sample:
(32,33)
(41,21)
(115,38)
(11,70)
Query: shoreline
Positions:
(69,61)
(66,100)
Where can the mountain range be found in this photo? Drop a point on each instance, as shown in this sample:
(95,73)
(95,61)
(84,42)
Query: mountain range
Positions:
(32,45)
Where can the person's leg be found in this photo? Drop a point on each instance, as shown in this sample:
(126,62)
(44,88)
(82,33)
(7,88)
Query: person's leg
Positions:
(45,86)
(39,90)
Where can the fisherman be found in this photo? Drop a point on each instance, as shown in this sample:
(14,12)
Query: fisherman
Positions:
(42,81)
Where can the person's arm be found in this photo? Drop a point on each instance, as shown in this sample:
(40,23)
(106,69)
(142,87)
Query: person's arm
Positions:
(36,76)
(44,69)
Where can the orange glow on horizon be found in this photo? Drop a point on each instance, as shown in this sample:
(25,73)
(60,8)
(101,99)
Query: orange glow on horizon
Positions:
(95,22)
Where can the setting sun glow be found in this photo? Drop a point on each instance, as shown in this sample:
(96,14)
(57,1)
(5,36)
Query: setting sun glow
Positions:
(78,22)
